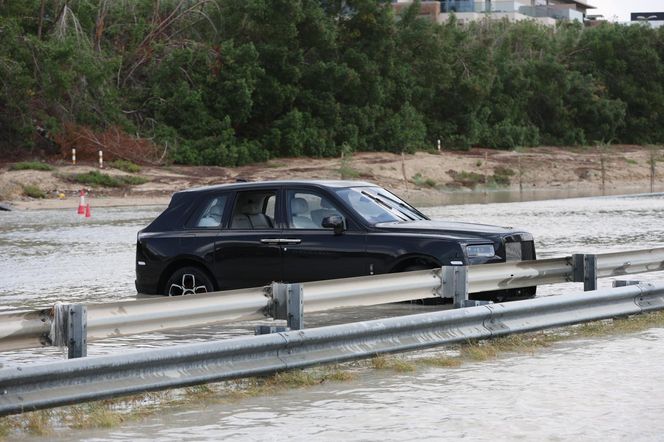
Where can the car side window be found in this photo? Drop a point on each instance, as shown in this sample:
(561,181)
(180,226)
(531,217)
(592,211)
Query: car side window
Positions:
(306,210)
(212,213)
(254,210)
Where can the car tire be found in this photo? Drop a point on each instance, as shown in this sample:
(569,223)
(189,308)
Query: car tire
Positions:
(188,281)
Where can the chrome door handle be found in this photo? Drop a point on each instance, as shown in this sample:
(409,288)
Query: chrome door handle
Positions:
(281,241)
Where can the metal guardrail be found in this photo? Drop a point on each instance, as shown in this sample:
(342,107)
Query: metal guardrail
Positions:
(105,320)
(24,329)
(85,379)
(38,328)
(630,262)
(518,274)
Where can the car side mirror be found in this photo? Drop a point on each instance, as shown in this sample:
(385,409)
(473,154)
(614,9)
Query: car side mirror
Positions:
(336,222)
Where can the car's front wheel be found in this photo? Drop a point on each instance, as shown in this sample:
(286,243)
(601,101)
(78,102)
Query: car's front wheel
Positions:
(188,281)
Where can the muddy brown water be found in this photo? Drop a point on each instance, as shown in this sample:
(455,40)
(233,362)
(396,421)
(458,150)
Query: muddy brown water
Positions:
(602,388)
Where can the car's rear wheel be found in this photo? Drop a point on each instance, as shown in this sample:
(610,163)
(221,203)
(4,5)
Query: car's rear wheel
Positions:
(188,281)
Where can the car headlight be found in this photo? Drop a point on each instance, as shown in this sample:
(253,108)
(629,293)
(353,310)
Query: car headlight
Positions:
(480,250)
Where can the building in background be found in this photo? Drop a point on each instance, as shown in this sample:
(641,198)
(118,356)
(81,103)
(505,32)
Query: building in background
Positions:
(547,12)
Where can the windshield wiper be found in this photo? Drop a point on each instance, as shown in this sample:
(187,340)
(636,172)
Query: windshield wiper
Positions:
(409,208)
(397,213)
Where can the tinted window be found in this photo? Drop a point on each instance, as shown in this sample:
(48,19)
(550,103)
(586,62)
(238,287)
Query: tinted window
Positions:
(377,205)
(254,210)
(306,210)
(212,213)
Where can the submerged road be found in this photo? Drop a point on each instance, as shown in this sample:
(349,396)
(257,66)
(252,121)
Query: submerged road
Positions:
(602,388)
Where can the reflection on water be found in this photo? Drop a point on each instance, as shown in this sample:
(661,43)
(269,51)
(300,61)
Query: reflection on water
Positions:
(575,390)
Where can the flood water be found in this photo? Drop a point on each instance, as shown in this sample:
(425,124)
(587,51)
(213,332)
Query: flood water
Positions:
(604,388)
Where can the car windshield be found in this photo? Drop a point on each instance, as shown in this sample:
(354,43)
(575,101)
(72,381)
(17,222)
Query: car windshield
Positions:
(377,205)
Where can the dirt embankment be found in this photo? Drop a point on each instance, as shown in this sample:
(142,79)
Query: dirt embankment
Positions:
(421,177)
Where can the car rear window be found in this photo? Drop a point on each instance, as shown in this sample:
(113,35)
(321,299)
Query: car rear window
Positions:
(210,214)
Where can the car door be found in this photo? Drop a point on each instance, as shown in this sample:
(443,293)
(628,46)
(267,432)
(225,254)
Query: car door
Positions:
(248,252)
(311,252)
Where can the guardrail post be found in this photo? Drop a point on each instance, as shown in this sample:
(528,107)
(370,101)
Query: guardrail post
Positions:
(288,304)
(295,307)
(279,294)
(455,284)
(69,328)
(585,270)
(77,324)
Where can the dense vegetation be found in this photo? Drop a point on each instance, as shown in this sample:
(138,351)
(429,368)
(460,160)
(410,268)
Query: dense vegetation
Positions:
(233,81)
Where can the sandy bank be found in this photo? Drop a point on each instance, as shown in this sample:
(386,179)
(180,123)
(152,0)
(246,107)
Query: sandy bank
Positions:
(423,178)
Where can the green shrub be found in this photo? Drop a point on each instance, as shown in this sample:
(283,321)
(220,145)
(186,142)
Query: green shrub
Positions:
(33,191)
(133,180)
(31,165)
(467,179)
(126,166)
(501,176)
(95,178)
(422,181)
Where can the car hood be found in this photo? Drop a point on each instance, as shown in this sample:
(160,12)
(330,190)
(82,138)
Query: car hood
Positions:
(446,227)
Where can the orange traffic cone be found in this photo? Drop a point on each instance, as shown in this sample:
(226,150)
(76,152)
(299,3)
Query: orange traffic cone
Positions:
(81,203)
(87,211)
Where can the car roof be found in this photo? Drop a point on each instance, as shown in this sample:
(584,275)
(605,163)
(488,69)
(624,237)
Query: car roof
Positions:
(254,184)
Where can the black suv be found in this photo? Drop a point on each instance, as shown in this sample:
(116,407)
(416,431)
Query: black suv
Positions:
(250,234)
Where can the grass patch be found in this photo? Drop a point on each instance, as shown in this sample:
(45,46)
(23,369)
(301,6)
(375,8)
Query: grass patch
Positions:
(477,351)
(275,164)
(421,181)
(95,178)
(340,375)
(125,166)
(441,361)
(5,428)
(501,176)
(466,179)
(31,165)
(631,161)
(348,172)
(133,180)
(199,392)
(383,362)
(33,191)
(95,415)
(38,423)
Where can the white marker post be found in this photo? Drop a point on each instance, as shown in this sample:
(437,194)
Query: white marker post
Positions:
(73,156)
(438,145)
(101,159)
